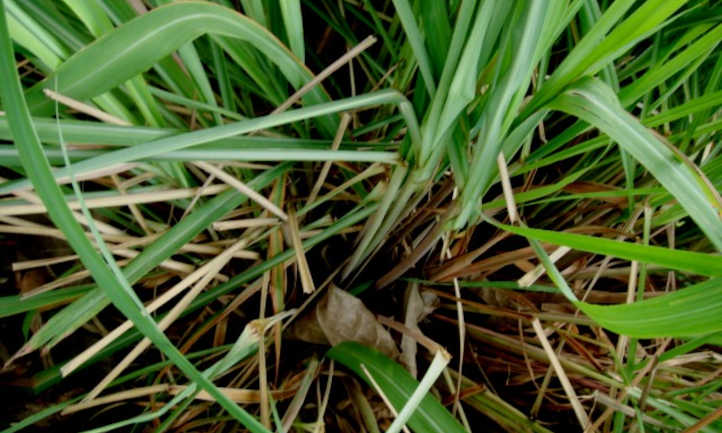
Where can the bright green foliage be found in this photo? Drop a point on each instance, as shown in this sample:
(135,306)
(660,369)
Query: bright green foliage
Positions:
(590,103)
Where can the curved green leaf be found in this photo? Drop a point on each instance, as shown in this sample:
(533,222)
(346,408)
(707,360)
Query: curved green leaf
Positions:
(595,103)
(398,385)
(138,44)
(692,311)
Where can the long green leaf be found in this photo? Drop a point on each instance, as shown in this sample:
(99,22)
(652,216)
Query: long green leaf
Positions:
(138,44)
(38,169)
(504,100)
(689,261)
(293,19)
(597,49)
(9,154)
(16,304)
(692,311)
(92,15)
(88,132)
(169,144)
(397,385)
(45,40)
(595,103)
(416,40)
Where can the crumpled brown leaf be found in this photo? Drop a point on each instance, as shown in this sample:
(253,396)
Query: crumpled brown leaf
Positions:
(340,316)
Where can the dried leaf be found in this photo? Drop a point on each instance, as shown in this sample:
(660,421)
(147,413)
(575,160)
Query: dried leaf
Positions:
(307,329)
(340,316)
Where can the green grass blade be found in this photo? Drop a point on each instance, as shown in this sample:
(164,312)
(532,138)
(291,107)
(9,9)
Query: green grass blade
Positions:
(416,40)
(98,23)
(39,34)
(16,304)
(398,386)
(86,132)
(429,146)
(435,19)
(503,100)
(140,43)
(463,87)
(700,49)
(193,64)
(255,10)
(92,15)
(595,103)
(9,155)
(39,416)
(293,20)
(703,103)
(692,311)
(688,261)
(223,78)
(597,49)
(35,31)
(245,345)
(32,41)
(163,145)
(34,161)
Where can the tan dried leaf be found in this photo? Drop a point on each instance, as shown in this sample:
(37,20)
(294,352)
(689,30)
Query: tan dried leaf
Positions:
(340,317)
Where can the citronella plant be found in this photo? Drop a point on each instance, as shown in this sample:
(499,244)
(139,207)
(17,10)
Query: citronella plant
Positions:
(541,176)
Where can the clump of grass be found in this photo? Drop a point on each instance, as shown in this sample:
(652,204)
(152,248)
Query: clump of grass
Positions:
(539,179)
